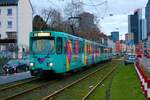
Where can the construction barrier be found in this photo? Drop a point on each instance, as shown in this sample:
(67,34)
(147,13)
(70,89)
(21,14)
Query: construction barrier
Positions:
(145,82)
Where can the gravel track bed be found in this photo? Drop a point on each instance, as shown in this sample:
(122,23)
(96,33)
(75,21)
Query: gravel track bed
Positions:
(41,92)
(79,90)
(20,88)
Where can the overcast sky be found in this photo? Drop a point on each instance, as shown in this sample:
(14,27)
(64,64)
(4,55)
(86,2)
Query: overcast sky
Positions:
(119,8)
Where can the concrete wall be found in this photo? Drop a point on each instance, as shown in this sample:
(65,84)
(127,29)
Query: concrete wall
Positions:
(21,19)
(24,22)
(111,44)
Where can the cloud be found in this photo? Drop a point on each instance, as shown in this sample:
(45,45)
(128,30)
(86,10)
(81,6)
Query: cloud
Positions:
(116,21)
(119,8)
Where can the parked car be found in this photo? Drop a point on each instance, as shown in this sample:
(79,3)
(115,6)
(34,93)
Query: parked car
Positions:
(129,59)
(114,55)
(147,52)
(25,61)
(14,66)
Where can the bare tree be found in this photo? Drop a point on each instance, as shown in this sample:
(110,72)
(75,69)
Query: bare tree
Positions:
(73,9)
(46,13)
(56,19)
(53,18)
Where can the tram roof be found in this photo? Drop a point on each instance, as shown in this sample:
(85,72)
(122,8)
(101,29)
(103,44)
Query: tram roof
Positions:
(63,34)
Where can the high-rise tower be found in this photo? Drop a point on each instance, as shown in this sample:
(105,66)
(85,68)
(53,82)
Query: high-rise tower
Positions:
(135,25)
(147,16)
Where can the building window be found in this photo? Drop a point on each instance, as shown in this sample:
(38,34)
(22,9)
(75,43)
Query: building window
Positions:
(0,11)
(9,24)
(11,35)
(0,24)
(9,12)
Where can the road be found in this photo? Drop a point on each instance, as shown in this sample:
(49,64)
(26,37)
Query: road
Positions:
(145,62)
(14,77)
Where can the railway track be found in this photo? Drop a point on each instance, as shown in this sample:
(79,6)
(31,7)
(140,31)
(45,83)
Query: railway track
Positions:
(45,85)
(99,83)
(29,90)
(18,84)
(77,81)
(25,92)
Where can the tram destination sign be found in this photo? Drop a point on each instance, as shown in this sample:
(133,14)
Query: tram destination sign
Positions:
(41,34)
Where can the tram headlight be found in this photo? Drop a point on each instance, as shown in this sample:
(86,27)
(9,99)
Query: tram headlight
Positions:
(31,64)
(50,64)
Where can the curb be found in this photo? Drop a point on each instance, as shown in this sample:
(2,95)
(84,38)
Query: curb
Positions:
(144,81)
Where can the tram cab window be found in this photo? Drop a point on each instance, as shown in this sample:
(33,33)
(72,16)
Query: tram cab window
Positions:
(102,49)
(59,45)
(42,45)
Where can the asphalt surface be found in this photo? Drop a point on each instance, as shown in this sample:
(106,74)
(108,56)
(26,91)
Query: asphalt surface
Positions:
(145,62)
(14,77)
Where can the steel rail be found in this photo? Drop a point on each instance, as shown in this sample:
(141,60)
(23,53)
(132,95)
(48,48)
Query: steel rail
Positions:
(69,85)
(100,82)
(29,90)
(21,83)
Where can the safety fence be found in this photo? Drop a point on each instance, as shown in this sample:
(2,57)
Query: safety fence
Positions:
(144,80)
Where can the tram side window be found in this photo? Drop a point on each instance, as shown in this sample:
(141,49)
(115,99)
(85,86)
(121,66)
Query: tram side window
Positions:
(80,47)
(59,45)
(102,50)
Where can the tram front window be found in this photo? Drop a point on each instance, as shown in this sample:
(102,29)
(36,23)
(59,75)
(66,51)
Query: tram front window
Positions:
(43,46)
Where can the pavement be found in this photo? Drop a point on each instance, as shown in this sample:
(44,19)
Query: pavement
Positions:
(14,77)
(145,62)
